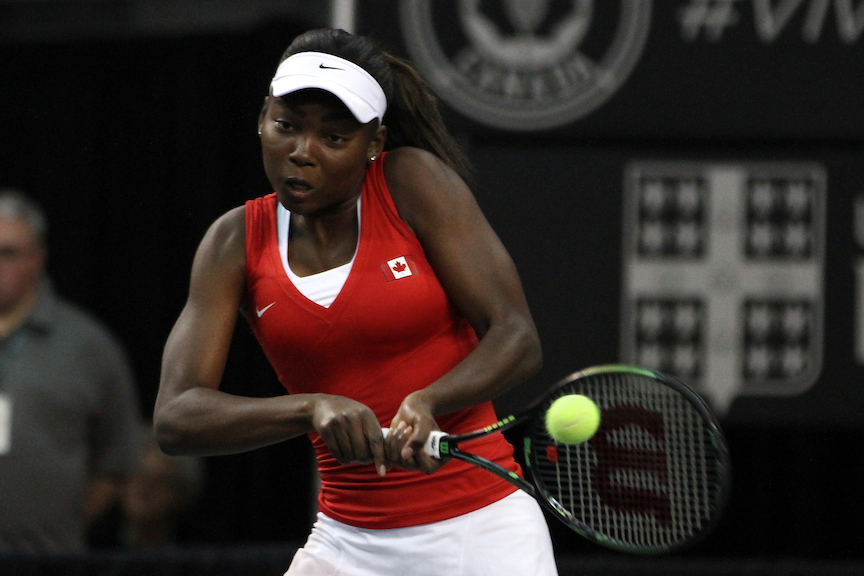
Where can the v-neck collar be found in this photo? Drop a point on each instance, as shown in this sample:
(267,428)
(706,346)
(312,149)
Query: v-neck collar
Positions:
(283,222)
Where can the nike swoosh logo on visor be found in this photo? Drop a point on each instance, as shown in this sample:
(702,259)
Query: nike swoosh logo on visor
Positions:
(329,67)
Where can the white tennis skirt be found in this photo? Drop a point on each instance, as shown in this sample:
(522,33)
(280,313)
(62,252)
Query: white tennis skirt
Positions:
(507,537)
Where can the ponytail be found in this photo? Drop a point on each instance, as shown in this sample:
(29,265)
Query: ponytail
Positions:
(412,117)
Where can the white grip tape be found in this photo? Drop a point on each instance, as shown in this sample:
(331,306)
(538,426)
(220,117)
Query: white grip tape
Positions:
(432,442)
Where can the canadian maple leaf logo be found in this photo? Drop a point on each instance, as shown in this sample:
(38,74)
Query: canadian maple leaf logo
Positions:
(397,268)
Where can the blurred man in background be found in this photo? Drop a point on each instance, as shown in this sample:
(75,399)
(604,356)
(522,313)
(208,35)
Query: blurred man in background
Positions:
(69,414)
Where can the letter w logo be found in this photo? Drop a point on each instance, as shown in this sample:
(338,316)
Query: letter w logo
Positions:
(630,475)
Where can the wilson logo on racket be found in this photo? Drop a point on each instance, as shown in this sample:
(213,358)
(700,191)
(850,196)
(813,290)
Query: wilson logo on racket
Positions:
(653,479)
(628,445)
(433,444)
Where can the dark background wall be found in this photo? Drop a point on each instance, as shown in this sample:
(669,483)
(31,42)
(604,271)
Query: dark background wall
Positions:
(136,136)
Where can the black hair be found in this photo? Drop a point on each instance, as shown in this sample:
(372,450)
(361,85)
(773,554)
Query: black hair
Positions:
(412,117)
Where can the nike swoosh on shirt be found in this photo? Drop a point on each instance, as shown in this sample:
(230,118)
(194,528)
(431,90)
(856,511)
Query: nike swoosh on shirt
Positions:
(262,310)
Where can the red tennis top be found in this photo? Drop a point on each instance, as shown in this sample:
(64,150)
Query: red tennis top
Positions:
(391,330)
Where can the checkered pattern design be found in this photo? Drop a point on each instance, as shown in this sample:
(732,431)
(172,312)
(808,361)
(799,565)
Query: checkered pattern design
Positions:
(780,218)
(671,218)
(723,274)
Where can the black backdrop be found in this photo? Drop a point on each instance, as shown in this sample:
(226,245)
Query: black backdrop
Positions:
(135,145)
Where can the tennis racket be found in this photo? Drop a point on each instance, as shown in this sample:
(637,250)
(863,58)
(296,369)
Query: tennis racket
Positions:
(653,479)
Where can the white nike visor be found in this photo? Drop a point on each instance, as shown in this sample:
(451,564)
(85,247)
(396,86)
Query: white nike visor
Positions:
(355,87)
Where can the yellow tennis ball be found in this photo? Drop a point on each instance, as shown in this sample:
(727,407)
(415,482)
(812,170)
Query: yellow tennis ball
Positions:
(572,419)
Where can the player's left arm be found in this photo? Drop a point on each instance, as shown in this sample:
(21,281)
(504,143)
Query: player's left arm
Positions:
(480,278)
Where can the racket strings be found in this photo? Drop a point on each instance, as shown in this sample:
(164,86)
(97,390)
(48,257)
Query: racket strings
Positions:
(652,475)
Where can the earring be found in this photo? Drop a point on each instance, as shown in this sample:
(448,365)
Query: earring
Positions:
(259,132)
(372,159)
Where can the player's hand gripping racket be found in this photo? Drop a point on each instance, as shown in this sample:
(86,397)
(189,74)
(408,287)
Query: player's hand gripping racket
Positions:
(653,478)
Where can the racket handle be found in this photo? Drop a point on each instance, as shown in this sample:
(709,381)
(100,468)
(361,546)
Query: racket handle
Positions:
(432,442)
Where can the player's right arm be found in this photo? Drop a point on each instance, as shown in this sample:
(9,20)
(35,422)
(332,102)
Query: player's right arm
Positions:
(192,416)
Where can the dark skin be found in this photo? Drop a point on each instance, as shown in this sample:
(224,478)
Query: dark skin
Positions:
(315,156)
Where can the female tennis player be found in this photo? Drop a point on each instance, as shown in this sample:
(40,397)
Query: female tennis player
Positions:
(382,297)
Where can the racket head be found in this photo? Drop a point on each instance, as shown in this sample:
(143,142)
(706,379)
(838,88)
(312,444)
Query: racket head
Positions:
(655,477)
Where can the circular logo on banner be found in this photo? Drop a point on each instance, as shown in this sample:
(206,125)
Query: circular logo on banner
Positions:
(525,64)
